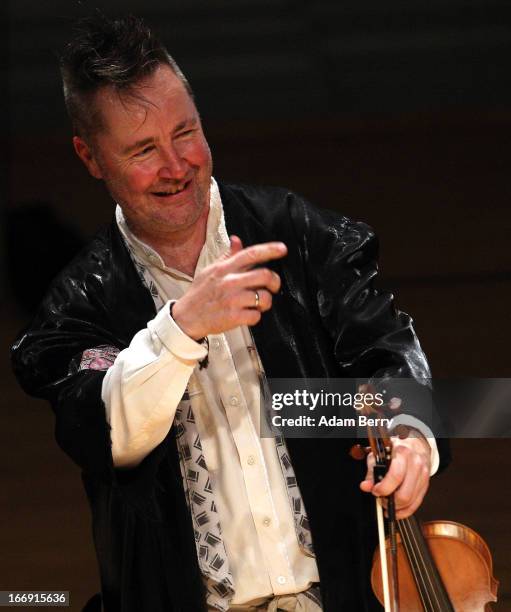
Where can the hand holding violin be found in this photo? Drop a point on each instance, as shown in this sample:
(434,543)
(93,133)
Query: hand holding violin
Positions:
(407,477)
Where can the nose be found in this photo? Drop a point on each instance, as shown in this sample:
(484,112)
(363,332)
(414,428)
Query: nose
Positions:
(172,165)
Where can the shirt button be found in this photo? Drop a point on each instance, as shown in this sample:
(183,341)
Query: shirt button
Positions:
(281,580)
(267,522)
(251,460)
(234,401)
(215,343)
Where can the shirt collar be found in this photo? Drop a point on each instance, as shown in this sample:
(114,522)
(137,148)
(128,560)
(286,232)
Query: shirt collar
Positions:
(217,239)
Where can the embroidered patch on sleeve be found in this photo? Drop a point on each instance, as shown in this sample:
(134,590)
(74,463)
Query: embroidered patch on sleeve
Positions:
(98,358)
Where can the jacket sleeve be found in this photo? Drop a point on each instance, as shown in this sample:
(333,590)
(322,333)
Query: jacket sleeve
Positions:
(90,314)
(46,360)
(340,261)
(372,339)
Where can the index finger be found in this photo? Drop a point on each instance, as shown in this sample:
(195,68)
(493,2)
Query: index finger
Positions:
(256,254)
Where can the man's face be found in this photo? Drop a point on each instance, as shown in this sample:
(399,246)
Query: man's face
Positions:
(152,155)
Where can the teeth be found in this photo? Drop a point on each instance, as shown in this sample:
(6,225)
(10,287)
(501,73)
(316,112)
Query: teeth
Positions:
(172,190)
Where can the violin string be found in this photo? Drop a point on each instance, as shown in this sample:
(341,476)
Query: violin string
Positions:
(438,589)
(430,589)
(418,575)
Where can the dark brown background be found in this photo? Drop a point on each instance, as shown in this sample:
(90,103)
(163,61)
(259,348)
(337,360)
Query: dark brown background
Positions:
(397,115)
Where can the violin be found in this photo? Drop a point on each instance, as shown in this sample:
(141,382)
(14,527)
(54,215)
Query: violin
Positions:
(438,566)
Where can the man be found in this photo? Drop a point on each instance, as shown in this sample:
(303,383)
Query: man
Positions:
(152,343)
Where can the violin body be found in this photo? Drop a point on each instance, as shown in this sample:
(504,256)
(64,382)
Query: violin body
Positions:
(462,563)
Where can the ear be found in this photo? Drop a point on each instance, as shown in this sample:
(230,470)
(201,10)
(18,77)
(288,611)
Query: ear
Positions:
(85,153)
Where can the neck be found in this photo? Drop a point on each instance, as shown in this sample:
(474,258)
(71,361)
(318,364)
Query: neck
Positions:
(180,249)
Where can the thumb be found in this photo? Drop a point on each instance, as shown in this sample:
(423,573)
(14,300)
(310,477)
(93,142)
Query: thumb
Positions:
(368,483)
(236,245)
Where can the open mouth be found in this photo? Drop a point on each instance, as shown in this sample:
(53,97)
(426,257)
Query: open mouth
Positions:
(172,190)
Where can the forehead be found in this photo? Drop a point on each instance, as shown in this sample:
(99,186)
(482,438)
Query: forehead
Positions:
(158,101)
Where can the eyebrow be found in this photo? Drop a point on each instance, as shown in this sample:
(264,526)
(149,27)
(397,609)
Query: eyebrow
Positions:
(139,144)
(185,122)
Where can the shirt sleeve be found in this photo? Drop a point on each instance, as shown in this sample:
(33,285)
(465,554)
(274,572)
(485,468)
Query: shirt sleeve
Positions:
(144,386)
(410,421)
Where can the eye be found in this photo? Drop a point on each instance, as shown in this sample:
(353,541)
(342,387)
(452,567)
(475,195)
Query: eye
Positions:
(186,132)
(144,151)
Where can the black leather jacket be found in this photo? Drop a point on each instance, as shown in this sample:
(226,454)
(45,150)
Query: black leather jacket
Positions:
(327,321)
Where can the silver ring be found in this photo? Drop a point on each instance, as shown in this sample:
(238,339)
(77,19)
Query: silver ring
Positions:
(256,305)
